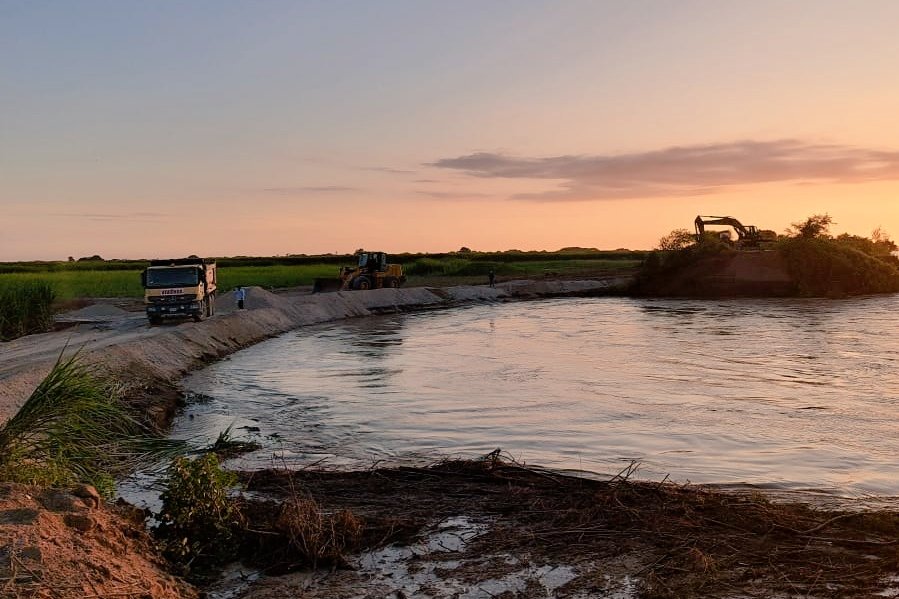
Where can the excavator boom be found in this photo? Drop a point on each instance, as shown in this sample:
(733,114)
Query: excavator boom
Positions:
(747,235)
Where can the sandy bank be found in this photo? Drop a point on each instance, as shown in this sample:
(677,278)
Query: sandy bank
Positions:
(150,360)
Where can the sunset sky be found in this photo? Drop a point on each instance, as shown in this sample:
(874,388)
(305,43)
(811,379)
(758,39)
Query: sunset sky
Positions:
(220,128)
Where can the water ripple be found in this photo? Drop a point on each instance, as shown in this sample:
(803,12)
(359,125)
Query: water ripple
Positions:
(784,393)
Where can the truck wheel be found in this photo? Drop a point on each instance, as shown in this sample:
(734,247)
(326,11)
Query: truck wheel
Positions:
(198,316)
(155,320)
(395,283)
(361,283)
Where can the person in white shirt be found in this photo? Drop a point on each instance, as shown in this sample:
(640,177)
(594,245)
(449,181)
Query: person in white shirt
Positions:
(240,294)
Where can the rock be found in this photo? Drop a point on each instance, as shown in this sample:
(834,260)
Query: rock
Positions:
(81,522)
(59,501)
(88,494)
(18,516)
(31,552)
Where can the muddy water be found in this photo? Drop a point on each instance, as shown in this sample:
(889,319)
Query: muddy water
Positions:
(798,394)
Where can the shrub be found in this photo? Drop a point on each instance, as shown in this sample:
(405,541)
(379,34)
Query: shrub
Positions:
(659,265)
(199,522)
(822,267)
(677,239)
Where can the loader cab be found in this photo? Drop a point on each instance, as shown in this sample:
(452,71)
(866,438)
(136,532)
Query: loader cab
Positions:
(373,261)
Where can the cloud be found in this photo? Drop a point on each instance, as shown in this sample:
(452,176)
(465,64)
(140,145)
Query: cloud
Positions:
(109,216)
(456,195)
(684,170)
(387,169)
(290,191)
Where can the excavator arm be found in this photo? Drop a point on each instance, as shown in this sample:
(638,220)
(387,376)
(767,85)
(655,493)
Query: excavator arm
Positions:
(743,232)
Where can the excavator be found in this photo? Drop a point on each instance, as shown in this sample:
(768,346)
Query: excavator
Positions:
(748,236)
(370,272)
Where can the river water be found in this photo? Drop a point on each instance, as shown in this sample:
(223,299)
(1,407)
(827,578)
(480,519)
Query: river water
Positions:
(779,394)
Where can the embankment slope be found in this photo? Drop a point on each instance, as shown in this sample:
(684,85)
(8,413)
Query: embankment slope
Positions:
(150,360)
(726,274)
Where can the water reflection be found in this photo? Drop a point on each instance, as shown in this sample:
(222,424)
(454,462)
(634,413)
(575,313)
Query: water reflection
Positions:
(794,394)
(368,337)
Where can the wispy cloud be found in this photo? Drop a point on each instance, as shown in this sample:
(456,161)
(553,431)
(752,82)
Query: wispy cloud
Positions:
(110,216)
(684,170)
(457,195)
(387,169)
(292,191)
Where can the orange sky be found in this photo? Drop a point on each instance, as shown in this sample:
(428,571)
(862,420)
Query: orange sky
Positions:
(137,130)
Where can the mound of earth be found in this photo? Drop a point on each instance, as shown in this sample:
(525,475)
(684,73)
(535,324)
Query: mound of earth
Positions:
(727,274)
(93,313)
(69,544)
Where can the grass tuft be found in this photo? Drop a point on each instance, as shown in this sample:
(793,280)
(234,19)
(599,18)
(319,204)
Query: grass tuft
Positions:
(73,429)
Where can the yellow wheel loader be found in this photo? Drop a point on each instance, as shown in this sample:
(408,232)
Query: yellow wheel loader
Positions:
(370,272)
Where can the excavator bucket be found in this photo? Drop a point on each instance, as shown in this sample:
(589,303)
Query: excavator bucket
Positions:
(326,285)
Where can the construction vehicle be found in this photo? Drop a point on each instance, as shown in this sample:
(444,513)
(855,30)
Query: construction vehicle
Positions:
(748,236)
(179,288)
(370,272)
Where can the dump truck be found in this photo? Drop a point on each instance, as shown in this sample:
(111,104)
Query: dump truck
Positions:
(179,288)
(748,236)
(370,272)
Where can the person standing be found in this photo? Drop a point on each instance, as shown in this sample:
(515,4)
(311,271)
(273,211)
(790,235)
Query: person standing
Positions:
(492,277)
(240,294)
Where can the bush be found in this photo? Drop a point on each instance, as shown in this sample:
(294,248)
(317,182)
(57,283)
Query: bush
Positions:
(827,267)
(677,239)
(25,308)
(199,522)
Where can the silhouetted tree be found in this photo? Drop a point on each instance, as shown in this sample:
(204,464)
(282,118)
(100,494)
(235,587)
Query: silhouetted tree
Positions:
(817,225)
(677,239)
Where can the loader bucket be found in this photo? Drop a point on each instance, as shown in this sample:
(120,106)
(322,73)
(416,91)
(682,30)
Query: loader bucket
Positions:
(326,285)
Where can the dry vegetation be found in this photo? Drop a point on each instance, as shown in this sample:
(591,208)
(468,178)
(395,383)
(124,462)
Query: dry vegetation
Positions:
(690,542)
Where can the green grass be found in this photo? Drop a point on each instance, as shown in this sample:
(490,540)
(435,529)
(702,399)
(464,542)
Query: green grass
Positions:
(276,276)
(72,284)
(450,272)
(74,428)
(73,280)
(25,308)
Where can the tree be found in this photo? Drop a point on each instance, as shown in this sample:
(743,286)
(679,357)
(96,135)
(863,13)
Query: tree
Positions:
(677,239)
(882,240)
(817,225)
(464,250)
